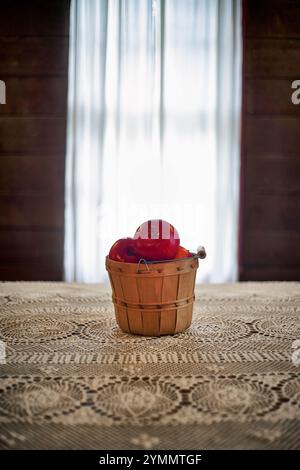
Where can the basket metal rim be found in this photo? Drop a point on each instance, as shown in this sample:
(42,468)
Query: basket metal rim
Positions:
(195,256)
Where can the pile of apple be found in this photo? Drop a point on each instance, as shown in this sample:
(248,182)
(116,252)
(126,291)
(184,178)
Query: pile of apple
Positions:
(154,240)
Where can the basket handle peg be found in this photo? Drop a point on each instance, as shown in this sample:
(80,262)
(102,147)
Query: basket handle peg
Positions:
(201,253)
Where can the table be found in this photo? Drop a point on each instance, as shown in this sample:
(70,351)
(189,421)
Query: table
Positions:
(73,380)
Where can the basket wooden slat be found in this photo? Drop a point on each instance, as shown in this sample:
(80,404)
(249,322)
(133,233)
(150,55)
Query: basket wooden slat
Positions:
(153,299)
(135,320)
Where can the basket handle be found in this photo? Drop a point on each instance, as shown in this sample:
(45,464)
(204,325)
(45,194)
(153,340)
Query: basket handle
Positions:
(139,270)
(201,254)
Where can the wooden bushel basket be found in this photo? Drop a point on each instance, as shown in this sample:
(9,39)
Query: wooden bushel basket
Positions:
(154,298)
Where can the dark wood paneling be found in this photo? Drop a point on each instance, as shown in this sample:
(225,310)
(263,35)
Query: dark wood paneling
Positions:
(42,56)
(270,175)
(275,174)
(34,66)
(31,255)
(31,211)
(42,269)
(31,96)
(34,18)
(273,58)
(37,175)
(273,18)
(270,273)
(273,97)
(267,247)
(272,212)
(32,135)
(27,244)
(271,136)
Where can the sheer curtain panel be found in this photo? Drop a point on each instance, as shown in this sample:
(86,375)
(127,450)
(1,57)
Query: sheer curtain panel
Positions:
(153,128)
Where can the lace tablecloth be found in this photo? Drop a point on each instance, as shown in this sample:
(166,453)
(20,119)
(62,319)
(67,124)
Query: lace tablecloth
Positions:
(71,379)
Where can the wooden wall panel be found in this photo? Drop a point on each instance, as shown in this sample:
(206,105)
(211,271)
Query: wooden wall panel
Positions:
(34,18)
(24,210)
(31,96)
(40,174)
(278,212)
(270,175)
(34,56)
(31,254)
(32,135)
(278,176)
(272,247)
(272,272)
(271,136)
(273,18)
(34,66)
(276,58)
(270,97)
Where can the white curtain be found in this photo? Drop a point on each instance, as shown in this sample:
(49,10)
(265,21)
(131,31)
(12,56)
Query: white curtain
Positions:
(153,128)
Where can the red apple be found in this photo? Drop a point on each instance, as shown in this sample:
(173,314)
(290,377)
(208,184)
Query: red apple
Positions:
(124,250)
(156,240)
(182,253)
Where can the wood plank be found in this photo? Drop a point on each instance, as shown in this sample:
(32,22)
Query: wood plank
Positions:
(278,212)
(267,247)
(33,56)
(270,97)
(30,244)
(35,17)
(31,255)
(168,321)
(151,321)
(270,232)
(121,316)
(34,66)
(34,175)
(29,96)
(280,175)
(135,321)
(272,137)
(32,135)
(273,18)
(270,273)
(272,58)
(31,211)
(45,270)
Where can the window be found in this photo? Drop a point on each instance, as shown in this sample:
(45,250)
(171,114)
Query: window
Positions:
(153,129)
